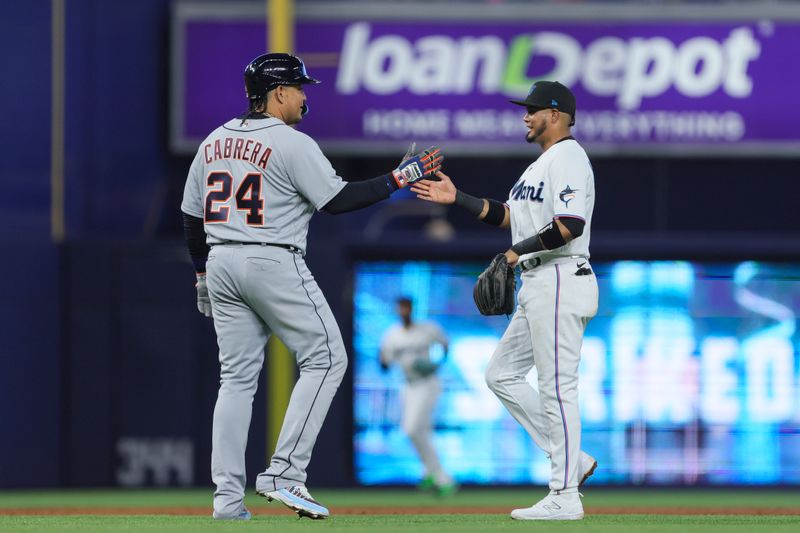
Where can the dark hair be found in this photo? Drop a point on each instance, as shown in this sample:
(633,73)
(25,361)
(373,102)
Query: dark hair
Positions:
(256,107)
(255,103)
(404,300)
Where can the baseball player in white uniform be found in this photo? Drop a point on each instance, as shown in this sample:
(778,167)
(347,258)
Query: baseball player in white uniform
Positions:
(408,345)
(249,196)
(549,212)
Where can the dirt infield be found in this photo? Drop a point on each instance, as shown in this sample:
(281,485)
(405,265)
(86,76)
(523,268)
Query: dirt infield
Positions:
(275,510)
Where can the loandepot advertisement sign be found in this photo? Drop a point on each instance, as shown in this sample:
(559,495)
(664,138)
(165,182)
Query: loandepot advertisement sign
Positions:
(706,87)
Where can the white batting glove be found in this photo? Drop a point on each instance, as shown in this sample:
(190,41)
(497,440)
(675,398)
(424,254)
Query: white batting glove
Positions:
(203,301)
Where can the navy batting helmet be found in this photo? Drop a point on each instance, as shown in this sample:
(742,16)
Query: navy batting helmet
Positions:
(267,71)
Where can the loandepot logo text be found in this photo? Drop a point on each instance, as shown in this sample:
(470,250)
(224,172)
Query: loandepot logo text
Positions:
(629,69)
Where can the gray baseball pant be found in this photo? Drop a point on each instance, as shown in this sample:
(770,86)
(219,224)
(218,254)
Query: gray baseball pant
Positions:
(256,291)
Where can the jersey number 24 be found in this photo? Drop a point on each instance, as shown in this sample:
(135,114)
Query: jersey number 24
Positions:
(248,198)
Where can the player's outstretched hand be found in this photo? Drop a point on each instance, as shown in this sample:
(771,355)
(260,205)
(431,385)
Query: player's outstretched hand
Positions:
(203,301)
(418,166)
(441,191)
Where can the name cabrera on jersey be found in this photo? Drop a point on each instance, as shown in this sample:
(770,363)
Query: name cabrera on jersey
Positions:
(404,345)
(258,181)
(559,183)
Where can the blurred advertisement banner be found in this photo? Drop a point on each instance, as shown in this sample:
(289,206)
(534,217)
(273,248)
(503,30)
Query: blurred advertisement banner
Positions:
(714,86)
(689,375)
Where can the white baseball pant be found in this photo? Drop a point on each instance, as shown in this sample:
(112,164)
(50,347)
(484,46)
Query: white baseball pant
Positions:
(419,402)
(554,307)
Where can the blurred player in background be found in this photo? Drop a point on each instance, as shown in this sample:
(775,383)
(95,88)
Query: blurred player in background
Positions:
(409,345)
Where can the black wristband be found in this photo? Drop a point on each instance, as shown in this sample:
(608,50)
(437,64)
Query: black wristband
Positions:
(470,203)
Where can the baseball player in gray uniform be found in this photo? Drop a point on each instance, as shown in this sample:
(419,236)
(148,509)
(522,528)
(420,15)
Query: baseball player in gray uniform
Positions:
(549,212)
(249,196)
(408,345)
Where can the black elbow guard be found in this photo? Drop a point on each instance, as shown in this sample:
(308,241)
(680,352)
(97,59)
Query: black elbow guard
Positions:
(574,225)
(551,237)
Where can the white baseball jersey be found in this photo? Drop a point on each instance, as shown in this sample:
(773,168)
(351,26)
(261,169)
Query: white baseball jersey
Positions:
(403,345)
(556,301)
(559,183)
(259,181)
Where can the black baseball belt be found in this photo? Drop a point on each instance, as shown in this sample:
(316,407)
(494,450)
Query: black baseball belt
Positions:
(293,249)
(533,262)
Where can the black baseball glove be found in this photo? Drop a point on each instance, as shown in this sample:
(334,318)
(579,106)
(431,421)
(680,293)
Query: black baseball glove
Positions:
(494,291)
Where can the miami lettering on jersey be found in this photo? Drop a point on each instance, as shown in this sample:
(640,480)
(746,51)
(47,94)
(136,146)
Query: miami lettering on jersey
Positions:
(565,188)
(237,148)
(522,191)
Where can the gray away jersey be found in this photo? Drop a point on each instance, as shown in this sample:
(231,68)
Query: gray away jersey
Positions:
(258,181)
(560,183)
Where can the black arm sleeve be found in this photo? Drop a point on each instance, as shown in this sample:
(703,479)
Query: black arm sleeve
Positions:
(196,241)
(529,245)
(358,194)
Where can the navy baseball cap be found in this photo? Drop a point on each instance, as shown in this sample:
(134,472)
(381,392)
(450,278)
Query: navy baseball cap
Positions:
(550,95)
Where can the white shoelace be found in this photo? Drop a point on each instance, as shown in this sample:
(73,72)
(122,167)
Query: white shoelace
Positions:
(302,492)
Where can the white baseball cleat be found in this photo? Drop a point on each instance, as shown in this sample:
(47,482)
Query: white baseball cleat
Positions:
(299,500)
(553,507)
(588,465)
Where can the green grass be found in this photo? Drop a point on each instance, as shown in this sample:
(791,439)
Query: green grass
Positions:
(596,498)
(405,524)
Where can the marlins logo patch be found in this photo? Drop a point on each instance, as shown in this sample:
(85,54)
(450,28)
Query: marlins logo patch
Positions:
(567,195)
